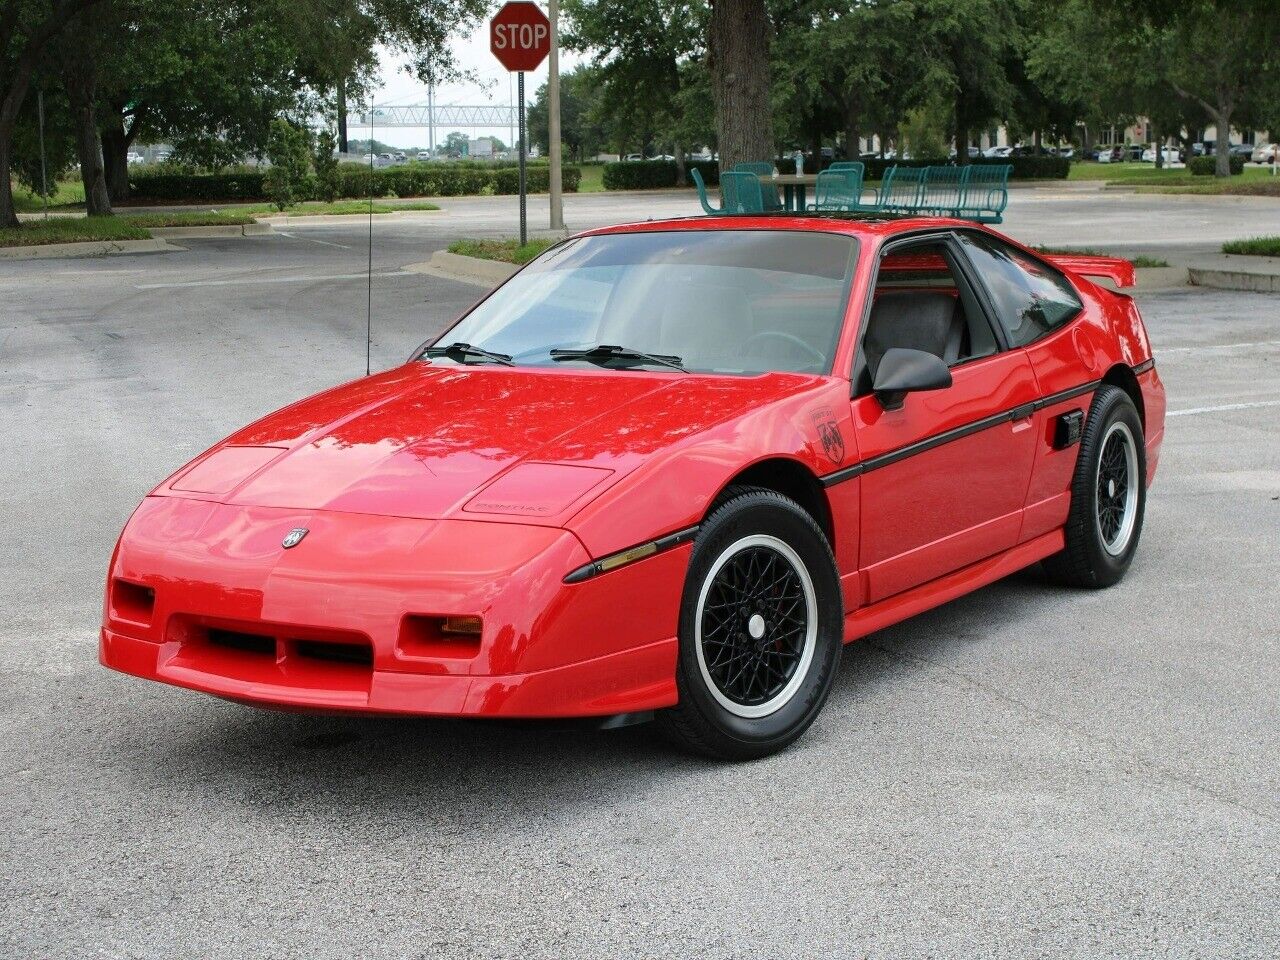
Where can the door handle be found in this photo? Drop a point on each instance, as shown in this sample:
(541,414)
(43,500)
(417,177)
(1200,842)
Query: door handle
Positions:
(1023,412)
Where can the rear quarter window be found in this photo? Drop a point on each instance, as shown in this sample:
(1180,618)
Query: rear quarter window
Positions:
(1030,297)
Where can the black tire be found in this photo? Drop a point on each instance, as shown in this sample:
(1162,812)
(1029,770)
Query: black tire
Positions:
(751,538)
(1090,559)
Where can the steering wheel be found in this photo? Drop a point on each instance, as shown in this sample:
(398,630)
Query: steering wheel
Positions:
(819,358)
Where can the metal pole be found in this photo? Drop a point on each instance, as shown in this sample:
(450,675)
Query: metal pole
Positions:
(44,184)
(511,98)
(524,230)
(553,118)
(431,118)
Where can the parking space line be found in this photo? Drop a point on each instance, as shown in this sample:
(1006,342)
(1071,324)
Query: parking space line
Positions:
(1220,346)
(1223,407)
(327,243)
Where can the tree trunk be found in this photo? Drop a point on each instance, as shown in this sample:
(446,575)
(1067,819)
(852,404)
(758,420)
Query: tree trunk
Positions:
(678,151)
(1155,136)
(341,97)
(8,216)
(82,90)
(115,158)
(962,132)
(1222,149)
(740,73)
(852,133)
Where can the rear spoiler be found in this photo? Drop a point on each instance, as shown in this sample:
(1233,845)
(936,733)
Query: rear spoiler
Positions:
(1118,271)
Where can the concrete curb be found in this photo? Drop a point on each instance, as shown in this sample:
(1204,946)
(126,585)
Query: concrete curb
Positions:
(213,230)
(454,266)
(87,248)
(323,218)
(1262,277)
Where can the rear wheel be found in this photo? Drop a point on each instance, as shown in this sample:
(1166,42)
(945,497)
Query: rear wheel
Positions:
(1108,495)
(761,629)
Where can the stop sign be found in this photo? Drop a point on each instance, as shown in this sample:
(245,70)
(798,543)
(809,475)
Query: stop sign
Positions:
(520,36)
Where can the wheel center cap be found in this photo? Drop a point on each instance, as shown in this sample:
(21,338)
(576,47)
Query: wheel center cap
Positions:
(1111,488)
(755,626)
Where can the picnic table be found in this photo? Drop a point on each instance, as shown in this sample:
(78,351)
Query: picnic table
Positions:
(793,187)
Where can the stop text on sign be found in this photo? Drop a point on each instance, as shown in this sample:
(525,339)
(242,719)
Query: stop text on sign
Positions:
(520,36)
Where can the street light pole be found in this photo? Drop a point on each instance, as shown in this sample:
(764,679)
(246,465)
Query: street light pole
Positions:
(553,117)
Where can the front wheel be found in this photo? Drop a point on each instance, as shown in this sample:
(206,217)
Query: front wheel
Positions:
(1108,496)
(761,629)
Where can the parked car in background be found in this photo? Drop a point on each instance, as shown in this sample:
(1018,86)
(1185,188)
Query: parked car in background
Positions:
(997,152)
(133,158)
(1170,155)
(1266,153)
(630,157)
(1241,150)
(1108,154)
(1067,153)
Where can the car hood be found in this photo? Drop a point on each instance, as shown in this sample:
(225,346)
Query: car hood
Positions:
(432,441)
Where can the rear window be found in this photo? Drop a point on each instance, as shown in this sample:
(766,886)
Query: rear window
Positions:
(1030,297)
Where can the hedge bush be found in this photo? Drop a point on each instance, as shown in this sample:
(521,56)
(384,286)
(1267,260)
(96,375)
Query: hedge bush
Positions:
(654,174)
(355,181)
(1208,166)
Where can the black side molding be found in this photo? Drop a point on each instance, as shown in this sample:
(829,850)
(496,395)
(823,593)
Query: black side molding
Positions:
(630,555)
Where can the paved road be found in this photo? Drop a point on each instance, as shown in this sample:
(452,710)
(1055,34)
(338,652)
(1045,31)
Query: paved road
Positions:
(1026,772)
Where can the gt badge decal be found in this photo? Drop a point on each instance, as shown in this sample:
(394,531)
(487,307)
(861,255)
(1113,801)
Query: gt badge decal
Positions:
(832,442)
(293,537)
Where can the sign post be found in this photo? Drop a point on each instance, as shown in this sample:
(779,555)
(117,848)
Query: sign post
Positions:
(520,37)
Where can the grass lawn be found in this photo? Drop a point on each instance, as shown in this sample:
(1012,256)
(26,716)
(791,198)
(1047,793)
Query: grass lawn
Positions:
(508,251)
(210,218)
(1255,247)
(67,193)
(592,179)
(70,230)
(1145,178)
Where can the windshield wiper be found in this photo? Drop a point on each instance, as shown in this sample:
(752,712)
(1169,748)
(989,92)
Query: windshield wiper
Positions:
(460,351)
(604,352)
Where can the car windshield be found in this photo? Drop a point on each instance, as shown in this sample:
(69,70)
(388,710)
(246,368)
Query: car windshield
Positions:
(719,301)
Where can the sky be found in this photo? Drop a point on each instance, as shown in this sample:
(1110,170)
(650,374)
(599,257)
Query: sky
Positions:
(495,86)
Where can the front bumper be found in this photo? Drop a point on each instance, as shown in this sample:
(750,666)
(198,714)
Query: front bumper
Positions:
(203,595)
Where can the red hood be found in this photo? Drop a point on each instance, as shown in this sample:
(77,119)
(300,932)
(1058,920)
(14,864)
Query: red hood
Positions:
(423,441)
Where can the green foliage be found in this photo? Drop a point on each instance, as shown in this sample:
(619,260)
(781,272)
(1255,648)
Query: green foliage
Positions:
(195,218)
(289,150)
(354,181)
(1255,247)
(639,174)
(507,251)
(1208,166)
(70,230)
(325,164)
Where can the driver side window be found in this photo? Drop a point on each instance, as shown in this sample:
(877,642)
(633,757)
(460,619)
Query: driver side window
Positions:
(921,302)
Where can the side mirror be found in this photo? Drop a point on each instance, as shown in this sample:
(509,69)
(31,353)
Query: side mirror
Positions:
(904,371)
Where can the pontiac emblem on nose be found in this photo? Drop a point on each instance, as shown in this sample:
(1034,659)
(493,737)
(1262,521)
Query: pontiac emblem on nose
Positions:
(293,537)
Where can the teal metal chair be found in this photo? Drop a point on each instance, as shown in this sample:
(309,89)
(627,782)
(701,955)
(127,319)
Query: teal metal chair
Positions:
(986,193)
(900,190)
(942,193)
(696,175)
(741,193)
(850,165)
(838,190)
(764,172)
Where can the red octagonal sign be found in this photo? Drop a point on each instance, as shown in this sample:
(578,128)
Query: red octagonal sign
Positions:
(520,36)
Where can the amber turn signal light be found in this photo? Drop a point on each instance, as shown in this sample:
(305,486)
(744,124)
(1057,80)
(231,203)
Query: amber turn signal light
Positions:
(465,625)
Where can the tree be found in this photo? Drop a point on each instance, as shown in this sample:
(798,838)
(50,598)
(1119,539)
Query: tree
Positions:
(585,121)
(27,27)
(289,150)
(325,163)
(642,51)
(974,41)
(867,60)
(739,36)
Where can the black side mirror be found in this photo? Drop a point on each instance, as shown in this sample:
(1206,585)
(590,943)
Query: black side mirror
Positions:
(904,371)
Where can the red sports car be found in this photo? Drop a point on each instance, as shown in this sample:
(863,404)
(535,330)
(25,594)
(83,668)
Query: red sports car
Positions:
(666,470)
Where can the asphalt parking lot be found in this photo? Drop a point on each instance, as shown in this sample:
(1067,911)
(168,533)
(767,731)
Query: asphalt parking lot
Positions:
(1027,771)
